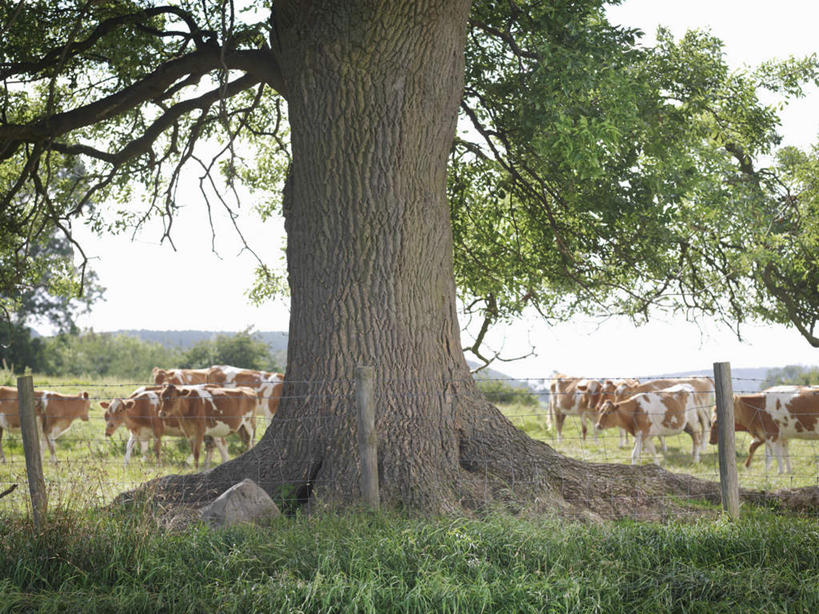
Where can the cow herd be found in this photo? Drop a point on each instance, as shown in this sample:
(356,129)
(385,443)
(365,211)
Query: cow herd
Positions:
(206,405)
(202,405)
(663,407)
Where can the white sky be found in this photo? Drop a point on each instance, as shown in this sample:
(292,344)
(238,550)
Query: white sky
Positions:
(150,286)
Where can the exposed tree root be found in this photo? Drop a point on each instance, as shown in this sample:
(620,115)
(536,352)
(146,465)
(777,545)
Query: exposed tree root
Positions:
(499,467)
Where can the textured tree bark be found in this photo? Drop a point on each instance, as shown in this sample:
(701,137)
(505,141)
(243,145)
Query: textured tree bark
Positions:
(373,94)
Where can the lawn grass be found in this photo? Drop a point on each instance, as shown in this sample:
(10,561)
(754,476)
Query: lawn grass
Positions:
(108,561)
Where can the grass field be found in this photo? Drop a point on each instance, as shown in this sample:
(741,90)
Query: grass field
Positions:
(94,559)
(94,562)
(804,453)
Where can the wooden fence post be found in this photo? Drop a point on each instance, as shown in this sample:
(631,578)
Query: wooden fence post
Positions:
(727,450)
(367,438)
(31,448)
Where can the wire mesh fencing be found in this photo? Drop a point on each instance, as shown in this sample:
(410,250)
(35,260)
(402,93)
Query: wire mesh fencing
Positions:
(91,468)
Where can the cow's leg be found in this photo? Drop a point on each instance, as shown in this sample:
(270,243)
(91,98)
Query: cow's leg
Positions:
(2,456)
(560,417)
(583,429)
(196,447)
(751,449)
(662,443)
(52,449)
(649,445)
(623,438)
(143,448)
(704,417)
(695,441)
(221,445)
(638,447)
(779,451)
(157,447)
(594,431)
(129,448)
(787,455)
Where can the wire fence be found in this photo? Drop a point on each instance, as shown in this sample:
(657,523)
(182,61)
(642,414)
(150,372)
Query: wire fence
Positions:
(90,467)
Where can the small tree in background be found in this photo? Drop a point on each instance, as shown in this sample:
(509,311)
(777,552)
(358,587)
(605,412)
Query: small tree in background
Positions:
(243,349)
(796,375)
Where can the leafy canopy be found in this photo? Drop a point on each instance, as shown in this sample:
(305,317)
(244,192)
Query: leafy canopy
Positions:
(590,174)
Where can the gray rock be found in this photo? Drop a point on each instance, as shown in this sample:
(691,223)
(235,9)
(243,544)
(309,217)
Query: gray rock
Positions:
(245,502)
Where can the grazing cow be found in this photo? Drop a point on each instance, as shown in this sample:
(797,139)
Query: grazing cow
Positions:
(649,414)
(773,417)
(703,396)
(208,411)
(180,377)
(54,413)
(573,396)
(139,414)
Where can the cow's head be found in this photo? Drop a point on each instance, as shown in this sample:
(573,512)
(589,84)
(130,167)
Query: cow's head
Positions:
(607,416)
(115,414)
(588,393)
(607,389)
(159,375)
(85,407)
(169,398)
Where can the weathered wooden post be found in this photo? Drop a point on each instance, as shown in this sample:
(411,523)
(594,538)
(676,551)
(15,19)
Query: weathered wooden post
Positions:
(727,450)
(31,448)
(367,439)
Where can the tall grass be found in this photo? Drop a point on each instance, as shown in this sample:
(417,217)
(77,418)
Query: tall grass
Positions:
(389,563)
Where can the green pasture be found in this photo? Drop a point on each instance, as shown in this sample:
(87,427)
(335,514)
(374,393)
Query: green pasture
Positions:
(804,453)
(374,563)
(90,470)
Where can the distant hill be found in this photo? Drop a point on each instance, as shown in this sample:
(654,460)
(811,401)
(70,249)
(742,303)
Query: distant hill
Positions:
(745,379)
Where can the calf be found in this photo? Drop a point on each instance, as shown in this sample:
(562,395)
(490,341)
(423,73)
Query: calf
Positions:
(139,414)
(649,414)
(573,396)
(773,417)
(54,413)
(208,411)
(58,412)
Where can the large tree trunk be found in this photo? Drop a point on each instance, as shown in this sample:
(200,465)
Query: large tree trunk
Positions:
(373,94)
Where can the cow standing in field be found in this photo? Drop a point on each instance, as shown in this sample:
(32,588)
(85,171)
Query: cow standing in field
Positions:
(650,414)
(139,414)
(573,396)
(703,396)
(773,417)
(54,413)
(208,411)
(268,385)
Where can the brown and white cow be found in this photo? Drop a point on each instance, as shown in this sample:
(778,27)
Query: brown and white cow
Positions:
(210,411)
(180,377)
(270,393)
(649,414)
(54,414)
(774,417)
(573,396)
(607,393)
(268,385)
(703,396)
